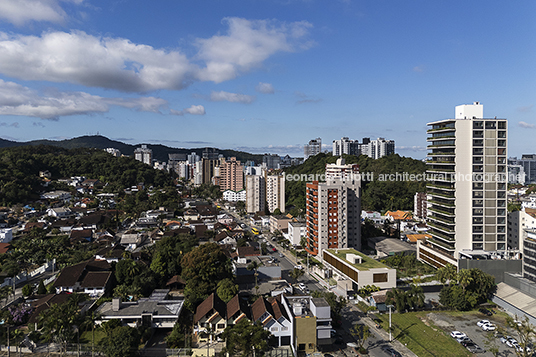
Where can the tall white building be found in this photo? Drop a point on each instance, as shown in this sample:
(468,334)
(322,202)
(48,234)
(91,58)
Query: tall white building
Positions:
(313,148)
(377,148)
(255,193)
(144,154)
(467,186)
(275,192)
(345,146)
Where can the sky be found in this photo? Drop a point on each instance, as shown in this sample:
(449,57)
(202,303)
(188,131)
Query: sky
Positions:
(263,76)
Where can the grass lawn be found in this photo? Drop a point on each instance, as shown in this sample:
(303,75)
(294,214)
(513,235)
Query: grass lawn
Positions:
(423,339)
(86,336)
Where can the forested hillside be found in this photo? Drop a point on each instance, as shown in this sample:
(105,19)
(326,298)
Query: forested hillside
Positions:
(20,166)
(160,152)
(378,194)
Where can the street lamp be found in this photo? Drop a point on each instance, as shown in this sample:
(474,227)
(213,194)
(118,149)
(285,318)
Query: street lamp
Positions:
(390,307)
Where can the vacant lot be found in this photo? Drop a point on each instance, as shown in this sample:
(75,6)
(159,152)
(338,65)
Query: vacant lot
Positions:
(427,334)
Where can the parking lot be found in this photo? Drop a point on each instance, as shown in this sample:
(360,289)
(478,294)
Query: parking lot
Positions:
(467,323)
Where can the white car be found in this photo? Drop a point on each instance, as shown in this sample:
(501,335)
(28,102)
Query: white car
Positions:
(298,267)
(457,334)
(302,286)
(511,342)
(482,322)
(488,327)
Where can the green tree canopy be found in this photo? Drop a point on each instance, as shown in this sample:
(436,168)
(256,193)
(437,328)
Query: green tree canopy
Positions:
(244,338)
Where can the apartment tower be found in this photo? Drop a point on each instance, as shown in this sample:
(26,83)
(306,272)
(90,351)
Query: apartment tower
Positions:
(231,175)
(275,192)
(333,210)
(466,188)
(255,193)
(313,148)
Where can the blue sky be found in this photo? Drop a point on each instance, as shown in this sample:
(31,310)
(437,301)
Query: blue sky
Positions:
(263,75)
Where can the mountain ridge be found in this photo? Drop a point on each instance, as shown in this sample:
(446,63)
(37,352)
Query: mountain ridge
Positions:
(160,152)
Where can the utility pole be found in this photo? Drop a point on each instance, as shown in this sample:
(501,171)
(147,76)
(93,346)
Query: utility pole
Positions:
(390,337)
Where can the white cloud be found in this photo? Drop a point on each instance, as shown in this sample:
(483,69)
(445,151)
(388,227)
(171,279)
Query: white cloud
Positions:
(526,109)
(247,44)
(19,100)
(306,98)
(117,63)
(19,12)
(526,125)
(193,110)
(231,97)
(265,88)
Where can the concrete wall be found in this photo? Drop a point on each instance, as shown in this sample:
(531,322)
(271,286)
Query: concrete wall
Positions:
(521,284)
(497,268)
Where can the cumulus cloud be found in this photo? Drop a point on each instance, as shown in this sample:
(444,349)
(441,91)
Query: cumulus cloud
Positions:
(16,99)
(117,63)
(247,44)
(265,88)
(193,110)
(526,125)
(19,12)
(231,97)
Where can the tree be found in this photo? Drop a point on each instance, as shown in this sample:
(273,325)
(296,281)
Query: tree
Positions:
(27,290)
(447,273)
(122,341)
(525,333)
(464,278)
(203,268)
(245,339)
(254,265)
(398,298)
(226,290)
(361,334)
(41,289)
(57,323)
(295,274)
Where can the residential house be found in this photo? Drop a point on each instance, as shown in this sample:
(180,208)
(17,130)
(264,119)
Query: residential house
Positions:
(95,283)
(237,310)
(81,235)
(156,311)
(132,240)
(6,235)
(279,223)
(210,319)
(71,279)
(60,212)
(271,314)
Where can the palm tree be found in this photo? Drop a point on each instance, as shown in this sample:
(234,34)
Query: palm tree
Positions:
(447,273)
(17,336)
(465,278)
(90,321)
(254,265)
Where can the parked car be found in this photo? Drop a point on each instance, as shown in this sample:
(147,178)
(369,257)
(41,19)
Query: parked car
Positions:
(476,349)
(302,286)
(485,311)
(457,334)
(482,322)
(489,327)
(298,267)
(391,351)
(511,342)
(464,339)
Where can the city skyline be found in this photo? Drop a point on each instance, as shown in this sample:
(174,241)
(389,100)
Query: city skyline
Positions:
(262,76)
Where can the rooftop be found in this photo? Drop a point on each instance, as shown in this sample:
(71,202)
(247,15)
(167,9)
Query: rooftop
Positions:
(366,264)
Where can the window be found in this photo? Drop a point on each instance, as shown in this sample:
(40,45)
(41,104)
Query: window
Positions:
(380,278)
(220,326)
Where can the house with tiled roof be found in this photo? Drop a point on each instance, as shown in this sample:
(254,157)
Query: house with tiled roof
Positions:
(237,310)
(81,235)
(95,283)
(4,248)
(271,315)
(398,215)
(71,278)
(44,303)
(210,314)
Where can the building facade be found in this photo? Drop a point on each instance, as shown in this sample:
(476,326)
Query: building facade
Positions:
(333,210)
(345,146)
(313,148)
(420,203)
(255,193)
(275,192)
(467,175)
(144,154)
(231,175)
(378,148)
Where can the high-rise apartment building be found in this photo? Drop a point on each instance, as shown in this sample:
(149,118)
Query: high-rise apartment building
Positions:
(420,204)
(527,168)
(333,210)
(467,177)
(144,154)
(231,175)
(313,148)
(345,146)
(255,193)
(275,192)
(378,148)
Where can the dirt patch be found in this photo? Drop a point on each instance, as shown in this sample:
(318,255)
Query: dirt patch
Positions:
(439,321)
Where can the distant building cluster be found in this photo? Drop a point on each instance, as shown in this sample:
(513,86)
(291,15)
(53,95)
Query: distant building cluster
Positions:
(374,149)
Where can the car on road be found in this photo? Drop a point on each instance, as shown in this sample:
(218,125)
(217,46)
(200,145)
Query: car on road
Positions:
(302,286)
(298,267)
(457,334)
(391,351)
(280,255)
(482,322)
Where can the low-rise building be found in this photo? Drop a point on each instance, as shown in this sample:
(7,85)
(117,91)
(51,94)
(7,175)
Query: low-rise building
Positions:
(296,230)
